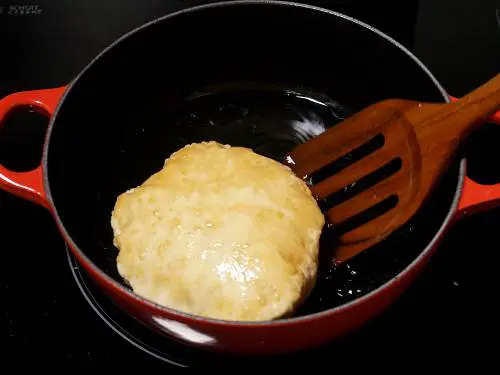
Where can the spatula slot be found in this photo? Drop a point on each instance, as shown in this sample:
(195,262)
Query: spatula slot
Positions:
(368,215)
(346,160)
(364,183)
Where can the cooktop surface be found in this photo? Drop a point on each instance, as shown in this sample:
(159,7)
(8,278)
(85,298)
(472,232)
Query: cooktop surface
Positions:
(54,317)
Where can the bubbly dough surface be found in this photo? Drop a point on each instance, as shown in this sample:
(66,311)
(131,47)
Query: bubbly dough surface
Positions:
(220,232)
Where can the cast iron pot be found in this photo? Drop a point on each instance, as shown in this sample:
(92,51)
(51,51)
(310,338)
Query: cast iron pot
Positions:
(260,74)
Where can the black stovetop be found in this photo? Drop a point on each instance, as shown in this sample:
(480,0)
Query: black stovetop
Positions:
(448,313)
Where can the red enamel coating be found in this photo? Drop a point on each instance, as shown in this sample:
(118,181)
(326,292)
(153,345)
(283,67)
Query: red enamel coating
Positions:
(280,336)
(28,185)
(277,337)
(476,197)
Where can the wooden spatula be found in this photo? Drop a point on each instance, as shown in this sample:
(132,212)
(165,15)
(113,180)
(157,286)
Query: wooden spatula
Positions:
(371,172)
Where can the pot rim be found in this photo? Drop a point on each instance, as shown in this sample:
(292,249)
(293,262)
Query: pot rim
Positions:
(163,310)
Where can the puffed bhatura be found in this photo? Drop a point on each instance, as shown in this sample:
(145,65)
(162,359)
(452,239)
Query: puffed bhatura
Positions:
(220,232)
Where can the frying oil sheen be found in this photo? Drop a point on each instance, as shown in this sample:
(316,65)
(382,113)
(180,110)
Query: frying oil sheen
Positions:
(272,122)
(269,120)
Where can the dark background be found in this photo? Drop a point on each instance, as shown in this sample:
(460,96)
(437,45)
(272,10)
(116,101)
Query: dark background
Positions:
(448,315)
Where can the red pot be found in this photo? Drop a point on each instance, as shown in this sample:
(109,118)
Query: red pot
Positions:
(155,89)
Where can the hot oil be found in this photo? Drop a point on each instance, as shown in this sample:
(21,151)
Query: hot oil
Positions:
(267,120)
(271,121)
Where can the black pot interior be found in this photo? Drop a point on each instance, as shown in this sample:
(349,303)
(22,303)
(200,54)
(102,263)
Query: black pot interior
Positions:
(261,76)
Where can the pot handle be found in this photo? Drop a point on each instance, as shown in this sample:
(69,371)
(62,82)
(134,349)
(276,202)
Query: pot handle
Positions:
(476,197)
(28,185)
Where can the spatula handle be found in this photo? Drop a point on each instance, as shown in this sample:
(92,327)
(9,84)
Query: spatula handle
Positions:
(474,108)
(494,118)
